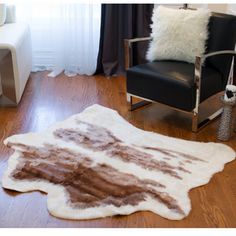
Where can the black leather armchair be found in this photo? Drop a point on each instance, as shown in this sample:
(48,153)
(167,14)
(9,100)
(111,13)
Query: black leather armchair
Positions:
(182,85)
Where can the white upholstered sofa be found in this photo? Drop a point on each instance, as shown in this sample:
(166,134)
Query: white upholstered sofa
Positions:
(15,62)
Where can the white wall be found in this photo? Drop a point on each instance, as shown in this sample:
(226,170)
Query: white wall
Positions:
(218,7)
(223,8)
(232,9)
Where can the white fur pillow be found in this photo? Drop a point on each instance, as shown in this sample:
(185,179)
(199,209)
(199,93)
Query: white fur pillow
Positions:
(178,34)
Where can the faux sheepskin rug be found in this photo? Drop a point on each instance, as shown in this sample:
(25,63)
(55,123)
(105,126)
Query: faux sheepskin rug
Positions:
(96,164)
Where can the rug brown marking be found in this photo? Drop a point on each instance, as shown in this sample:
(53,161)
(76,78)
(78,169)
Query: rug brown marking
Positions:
(100,139)
(175,154)
(87,185)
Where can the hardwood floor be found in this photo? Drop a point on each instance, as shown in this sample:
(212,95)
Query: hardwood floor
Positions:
(47,100)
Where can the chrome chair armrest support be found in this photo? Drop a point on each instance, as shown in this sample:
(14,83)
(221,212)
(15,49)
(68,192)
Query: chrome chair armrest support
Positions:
(127,49)
(223,52)
(197,81)
(198,66)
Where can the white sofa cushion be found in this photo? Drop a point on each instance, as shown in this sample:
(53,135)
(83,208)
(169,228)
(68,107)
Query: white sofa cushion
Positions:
(178,34)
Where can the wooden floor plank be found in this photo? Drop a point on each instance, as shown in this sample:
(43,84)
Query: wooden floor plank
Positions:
(47,100)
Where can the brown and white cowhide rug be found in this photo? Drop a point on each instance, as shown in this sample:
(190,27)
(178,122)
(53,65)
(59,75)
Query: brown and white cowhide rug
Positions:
(96,164)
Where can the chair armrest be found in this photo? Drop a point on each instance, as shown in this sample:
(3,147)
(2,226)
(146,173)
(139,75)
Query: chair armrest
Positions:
(198,61)
(134,40)
(223,52)
(198,70)
(127,49)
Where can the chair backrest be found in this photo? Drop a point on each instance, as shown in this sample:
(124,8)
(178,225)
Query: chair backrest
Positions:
(222,36)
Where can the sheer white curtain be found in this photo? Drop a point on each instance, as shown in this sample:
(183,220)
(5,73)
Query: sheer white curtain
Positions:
(65,34)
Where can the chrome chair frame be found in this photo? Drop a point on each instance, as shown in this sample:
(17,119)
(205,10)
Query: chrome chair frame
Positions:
(196,125)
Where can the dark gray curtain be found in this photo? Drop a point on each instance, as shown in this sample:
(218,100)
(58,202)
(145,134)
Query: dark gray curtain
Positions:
(120,21)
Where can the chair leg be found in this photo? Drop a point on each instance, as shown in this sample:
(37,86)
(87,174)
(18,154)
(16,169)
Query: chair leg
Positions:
(134,106)
(128,98)
(196,126)
(195,122)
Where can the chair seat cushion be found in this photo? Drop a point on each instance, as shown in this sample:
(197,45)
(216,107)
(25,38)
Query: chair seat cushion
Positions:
(172,83)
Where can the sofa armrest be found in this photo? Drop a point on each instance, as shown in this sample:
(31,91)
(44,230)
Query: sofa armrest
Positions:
(127,49)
